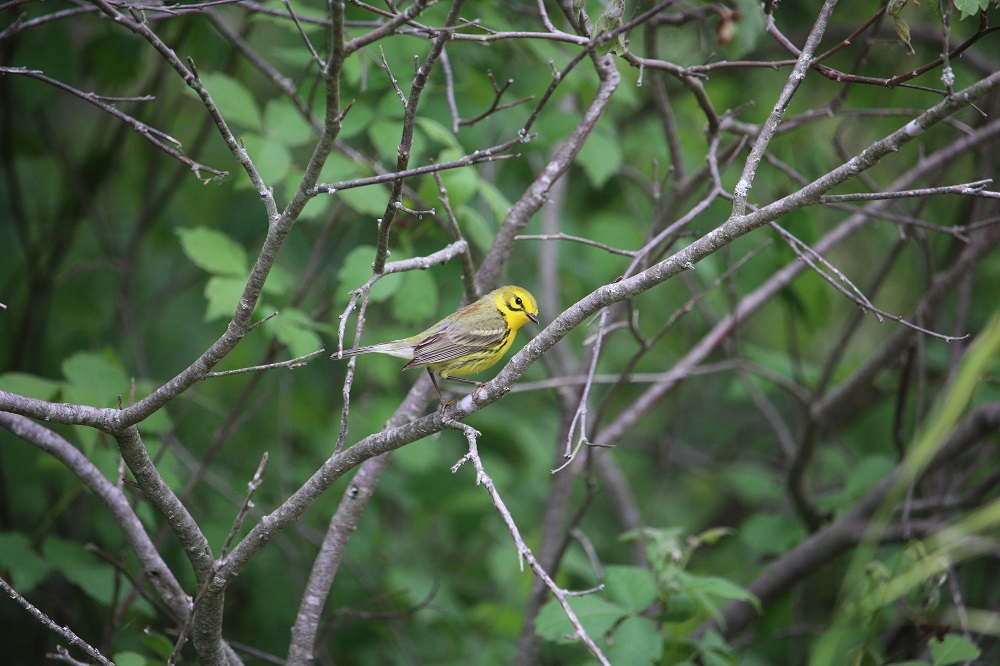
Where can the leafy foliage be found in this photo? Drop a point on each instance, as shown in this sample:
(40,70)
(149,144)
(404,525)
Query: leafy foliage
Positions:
(769,335)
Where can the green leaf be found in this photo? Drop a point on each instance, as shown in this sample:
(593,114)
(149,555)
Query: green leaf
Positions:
(635,641)
(21,563)
(157,643)
(631,587)
(495,199)
(284,122)
(595,614)
(31,386)
(279,282)
(357,269)
(234,100)
(384,133)
(213,251)
(475,228)
(952,650)
(294,329)
(866,474)
(435,131)
(714,649)
(127,658)
(80,568)
(270,155)
(601,156)
(678,607)
(707,589)
(771,533)
(223,295)
(95,379)
(903,32)
(607,22)
(971,7)
(369,200)
(461,183)
(416,299)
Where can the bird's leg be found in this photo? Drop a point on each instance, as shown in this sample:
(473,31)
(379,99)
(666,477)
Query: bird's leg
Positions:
(479,385)
(444,405)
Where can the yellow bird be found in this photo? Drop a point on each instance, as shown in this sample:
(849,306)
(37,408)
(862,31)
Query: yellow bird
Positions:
(470,340)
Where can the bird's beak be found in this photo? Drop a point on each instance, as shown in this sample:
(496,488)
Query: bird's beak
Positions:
(532,317)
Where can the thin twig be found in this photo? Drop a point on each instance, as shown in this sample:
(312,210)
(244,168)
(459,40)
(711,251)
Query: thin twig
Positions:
(489,155)
(576,239)
(580,416)
(524,553)
(969,189)
(811,257)
(154,136)
(65,632)
(302,34)
(452,227)
(395,83)
(252,485)
(290,364)
(442,256)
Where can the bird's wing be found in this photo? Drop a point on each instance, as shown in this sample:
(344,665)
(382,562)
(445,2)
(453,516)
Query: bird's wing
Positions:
(449,343)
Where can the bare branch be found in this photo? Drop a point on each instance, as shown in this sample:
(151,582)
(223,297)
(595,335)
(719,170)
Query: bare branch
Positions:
(157,138)
(524,553)
(64,632)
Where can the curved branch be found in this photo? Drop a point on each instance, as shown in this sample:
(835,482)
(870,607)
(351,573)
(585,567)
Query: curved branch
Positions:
(154,568)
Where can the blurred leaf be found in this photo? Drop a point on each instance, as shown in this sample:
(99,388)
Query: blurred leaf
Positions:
(601,156)
(213,251)
(866,474)
(95,379)
(952,650)
(271,157)
(80,568)
(752,483)
(438,133)
(279,282)
(595,614)
(356,271)
(631,587)
(678,607)
(369,200)
(476,230)
(499,204)
(416,298)
(971,7)
(708,590)
(460,183)
(384,133)
(284,122)
(130,659)
(223,295)
(771,533)
(233,99)
(23,568)
(635,641)
(294,329)
(157,643)
(31,386)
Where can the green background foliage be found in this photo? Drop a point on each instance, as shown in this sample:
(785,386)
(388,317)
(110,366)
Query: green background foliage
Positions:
(120,267)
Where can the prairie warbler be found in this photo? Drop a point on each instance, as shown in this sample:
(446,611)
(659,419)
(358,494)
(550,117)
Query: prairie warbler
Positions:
(468,341)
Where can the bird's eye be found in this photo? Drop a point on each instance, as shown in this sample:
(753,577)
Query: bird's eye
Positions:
(519,301)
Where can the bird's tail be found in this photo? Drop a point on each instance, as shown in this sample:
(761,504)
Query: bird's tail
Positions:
(401,348)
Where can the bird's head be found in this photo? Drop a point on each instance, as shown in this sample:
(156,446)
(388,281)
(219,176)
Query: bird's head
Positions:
(517,304)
